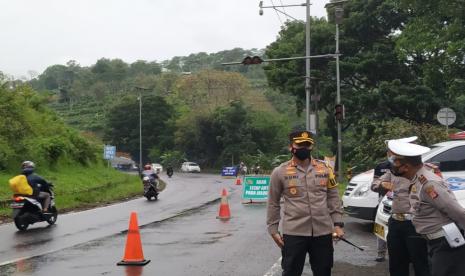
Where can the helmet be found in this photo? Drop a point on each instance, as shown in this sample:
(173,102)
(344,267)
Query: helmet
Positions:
(28,164)
(147,167)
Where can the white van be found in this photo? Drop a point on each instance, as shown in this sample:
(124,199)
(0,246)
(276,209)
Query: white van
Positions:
(359,200)
(450,157)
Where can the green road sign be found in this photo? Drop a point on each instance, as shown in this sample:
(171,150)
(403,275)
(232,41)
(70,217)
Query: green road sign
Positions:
(256,187)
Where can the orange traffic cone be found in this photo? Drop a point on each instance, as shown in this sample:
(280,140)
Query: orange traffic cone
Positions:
(238,181)
(133,254)
(225,214)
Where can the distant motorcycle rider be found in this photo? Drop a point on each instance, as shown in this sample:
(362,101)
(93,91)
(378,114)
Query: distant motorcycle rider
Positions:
(39,185)
(169,170)
(149,172)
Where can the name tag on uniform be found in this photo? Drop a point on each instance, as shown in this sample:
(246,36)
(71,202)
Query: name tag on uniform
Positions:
(453,235)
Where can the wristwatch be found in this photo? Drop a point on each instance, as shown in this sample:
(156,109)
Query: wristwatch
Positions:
(340,224)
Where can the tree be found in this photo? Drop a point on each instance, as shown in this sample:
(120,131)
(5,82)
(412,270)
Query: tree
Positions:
(378,80)
(122,127)
(432,45)
(144,67)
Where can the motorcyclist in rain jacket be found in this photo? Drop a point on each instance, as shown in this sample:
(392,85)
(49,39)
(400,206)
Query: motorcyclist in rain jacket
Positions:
(40,186)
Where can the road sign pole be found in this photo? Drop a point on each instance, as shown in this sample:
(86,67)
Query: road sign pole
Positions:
(446,116)
(447,121)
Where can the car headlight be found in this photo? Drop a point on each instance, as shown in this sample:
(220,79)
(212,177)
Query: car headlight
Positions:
(361,191)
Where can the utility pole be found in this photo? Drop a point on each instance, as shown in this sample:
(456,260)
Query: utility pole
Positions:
(307,68)
(140,89)
(307,51)
(338,17)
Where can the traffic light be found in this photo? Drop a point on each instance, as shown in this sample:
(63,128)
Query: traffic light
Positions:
(339,112)
(248,60)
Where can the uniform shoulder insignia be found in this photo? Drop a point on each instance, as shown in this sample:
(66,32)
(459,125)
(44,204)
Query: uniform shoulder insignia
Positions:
(290,168)
(332,183)
(431,191)
(422,179)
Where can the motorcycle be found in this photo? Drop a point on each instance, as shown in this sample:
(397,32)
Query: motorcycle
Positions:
(28,210)
(150,188)
(169,172)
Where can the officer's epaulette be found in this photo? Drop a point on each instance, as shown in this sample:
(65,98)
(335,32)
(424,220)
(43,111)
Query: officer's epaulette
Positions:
(291,168)
(332,183)
(422,179)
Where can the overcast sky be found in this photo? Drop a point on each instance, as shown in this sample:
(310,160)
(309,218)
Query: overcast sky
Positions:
(39,33)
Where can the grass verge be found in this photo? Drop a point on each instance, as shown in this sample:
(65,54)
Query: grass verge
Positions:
(79,187)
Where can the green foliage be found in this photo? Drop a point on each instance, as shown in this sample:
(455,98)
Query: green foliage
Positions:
(81,187)
(400,59)
(29,130)
(432,45)
(230,134)
(51,148)
(373,148)
(122,129)
(173,159)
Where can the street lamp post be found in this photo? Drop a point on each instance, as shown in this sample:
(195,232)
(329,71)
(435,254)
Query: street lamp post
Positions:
(307,68)
(307,51)
(140,132)
(338,101)
(140,89)
(338,16)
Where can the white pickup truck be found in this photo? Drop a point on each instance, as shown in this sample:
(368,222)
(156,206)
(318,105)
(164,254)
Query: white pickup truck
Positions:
(360,202)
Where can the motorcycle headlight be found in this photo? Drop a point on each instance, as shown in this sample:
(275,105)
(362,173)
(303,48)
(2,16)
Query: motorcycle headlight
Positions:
(361,191)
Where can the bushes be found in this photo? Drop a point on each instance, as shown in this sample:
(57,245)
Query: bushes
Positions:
(30,131)
(372,148)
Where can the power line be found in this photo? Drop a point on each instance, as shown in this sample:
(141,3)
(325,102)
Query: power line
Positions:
(284,10)
(276,10)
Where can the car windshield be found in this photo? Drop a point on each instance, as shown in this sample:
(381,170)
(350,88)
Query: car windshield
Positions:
(431,152)
(193,164)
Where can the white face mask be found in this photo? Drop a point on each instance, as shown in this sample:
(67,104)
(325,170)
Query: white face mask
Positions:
(391,159)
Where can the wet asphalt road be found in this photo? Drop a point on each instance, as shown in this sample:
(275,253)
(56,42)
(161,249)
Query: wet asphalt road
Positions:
(180,235)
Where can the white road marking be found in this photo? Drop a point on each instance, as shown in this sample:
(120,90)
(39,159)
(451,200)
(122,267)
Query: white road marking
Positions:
(274,269)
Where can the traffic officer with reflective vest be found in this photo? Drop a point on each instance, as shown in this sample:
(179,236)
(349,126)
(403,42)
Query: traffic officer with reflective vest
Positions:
(437,215)
(312,214)
(404,244)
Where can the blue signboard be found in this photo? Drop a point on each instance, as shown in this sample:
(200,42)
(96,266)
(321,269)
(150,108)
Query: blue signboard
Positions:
(456,183)
(229,171)
(109,152)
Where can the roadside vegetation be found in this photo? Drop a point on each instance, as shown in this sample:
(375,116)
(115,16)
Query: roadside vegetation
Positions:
(78,187)
(29,130)
(401,62)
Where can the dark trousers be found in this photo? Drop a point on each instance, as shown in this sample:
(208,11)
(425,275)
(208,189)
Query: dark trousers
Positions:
(446,261)
(405,245)
(320,250)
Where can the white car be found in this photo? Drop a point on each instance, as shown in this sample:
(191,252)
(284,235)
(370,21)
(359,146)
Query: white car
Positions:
(157,168)
(450,157)
(359,200)
(190,167)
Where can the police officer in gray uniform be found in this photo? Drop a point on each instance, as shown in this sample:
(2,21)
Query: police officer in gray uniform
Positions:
(433,206)
(312,209)
(399,242)
(405,245)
